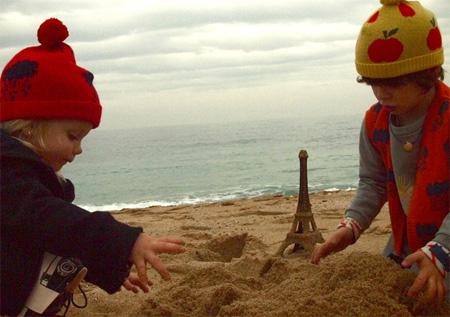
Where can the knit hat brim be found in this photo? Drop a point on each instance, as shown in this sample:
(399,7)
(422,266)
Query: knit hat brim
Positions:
(75,110)
(401,67)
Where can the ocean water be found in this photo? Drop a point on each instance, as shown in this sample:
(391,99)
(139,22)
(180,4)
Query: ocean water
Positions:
(212,162)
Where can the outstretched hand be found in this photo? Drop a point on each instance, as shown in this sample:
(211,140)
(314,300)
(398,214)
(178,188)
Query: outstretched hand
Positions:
(337,241)
(145,250)
(428,280)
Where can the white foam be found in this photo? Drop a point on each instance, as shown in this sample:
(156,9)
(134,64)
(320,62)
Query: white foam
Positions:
(232,194)
(120,206)
(331,190)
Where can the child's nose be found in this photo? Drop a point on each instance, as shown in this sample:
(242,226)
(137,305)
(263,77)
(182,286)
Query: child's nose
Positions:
(78,150)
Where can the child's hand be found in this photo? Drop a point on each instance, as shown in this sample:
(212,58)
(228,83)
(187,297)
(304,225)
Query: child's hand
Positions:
(428,279)
(146,250)
(337,241)
(133,282)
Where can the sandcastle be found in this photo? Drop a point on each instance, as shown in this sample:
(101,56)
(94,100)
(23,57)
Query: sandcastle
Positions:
(303,234)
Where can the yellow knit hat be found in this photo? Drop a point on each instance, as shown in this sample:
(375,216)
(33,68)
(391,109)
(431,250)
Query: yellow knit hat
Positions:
(402,37)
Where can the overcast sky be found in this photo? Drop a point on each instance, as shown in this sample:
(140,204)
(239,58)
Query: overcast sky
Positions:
(188,61)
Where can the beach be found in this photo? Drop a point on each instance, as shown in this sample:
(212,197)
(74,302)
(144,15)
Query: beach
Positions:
(224,270)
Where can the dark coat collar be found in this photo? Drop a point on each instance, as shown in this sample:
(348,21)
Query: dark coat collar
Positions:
(11,148)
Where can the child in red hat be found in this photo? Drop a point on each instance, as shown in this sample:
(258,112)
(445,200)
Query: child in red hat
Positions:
(404,145)
(48,105)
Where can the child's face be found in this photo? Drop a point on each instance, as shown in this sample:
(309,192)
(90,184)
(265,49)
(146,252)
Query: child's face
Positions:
(63,141)
(402,99)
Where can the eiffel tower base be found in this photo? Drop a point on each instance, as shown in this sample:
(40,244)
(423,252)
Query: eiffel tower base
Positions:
(302,241)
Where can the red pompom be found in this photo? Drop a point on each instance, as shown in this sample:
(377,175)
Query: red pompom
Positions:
(52,32)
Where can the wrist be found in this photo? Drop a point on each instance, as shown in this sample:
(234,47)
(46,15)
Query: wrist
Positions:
(353,225)
(439,256)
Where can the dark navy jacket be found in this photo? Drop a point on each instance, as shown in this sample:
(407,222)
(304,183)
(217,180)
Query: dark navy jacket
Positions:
(36,215)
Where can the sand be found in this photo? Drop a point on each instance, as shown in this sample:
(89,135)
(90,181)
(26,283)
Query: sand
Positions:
(228,245)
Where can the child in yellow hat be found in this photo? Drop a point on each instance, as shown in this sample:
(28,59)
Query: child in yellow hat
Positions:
(404,145)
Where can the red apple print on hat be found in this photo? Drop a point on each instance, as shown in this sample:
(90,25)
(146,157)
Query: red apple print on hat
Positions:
(406,10)
(374,17)
(388,49)
(434,39)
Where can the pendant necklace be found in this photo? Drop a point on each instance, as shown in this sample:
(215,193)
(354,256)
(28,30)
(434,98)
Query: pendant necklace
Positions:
(407,146)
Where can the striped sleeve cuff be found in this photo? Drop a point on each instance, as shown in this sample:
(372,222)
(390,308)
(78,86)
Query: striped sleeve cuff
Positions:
(353,225)
(439,255)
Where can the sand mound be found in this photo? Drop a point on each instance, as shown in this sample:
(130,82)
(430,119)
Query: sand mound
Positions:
(220,279)
(229,244)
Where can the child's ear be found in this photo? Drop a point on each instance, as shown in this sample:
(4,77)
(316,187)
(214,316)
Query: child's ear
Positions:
(436,71)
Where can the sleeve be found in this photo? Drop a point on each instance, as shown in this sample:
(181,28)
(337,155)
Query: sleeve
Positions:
(443,234)
(44,221)
(371,193)
(438,250)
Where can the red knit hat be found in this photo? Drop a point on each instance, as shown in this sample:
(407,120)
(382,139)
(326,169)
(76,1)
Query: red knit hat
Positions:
(44,82)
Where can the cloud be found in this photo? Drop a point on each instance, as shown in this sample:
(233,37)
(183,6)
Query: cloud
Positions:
(99,20)
(214,49)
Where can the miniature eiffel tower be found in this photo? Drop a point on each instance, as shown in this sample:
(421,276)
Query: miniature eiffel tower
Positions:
(303,234)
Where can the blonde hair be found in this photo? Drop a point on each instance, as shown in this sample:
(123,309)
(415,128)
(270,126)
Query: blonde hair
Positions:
(31,132)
